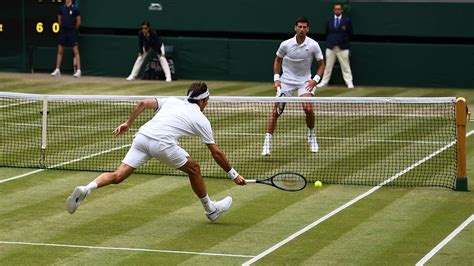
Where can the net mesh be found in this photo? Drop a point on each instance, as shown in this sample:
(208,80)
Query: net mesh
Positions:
(362,141)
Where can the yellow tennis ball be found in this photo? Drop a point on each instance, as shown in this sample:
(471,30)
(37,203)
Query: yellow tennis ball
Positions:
(318,184)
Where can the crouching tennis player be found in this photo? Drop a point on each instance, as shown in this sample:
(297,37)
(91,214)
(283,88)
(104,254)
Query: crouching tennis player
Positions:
(158,138)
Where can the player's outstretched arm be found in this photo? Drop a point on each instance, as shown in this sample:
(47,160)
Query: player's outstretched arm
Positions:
(222,161)
(142,105)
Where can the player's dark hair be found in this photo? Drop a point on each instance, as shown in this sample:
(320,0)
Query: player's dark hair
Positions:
(196,89)
(146,23)
(302,20)
(338,4)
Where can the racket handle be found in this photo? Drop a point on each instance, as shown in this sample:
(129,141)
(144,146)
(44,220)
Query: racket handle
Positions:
(250,180)
(279,91)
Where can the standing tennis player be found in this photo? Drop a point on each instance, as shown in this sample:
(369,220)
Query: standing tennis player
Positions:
(295,56)
(158,138)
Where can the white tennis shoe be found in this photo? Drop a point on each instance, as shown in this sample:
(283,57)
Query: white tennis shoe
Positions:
(56,73)
(221,207)
(78,74)
(130,78)
(79,194)
(313,143)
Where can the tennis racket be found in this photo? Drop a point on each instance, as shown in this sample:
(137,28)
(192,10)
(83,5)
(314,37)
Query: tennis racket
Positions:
(281,106)
(287,181)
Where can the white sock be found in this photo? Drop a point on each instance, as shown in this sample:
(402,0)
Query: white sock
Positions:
(91,186)
(311,132)
(207,204)
(268,137)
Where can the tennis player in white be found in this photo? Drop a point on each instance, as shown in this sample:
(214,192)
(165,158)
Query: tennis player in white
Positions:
(158,138)
(295,56)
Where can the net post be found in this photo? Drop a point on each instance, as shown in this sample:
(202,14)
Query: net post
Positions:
(461,121)
(44,131)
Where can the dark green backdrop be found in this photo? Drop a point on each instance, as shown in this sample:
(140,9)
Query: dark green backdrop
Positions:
(278,16)
(433,46)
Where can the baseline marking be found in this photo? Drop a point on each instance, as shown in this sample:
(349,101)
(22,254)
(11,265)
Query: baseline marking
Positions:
(62,126)
(445,241)
(226,132)
(64,163)
(22,175)
(349,203)
(15,104)
(126,249)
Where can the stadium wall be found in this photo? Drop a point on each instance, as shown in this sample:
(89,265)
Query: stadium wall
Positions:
(278,16)
(423,65)
(395,44)
(388,64)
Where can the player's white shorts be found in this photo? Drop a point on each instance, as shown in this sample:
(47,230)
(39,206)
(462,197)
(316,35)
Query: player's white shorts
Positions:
(144,148)
(287,90)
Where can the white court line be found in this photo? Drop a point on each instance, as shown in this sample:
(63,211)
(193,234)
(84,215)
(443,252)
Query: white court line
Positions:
(445,241)
(127,249)
(226,132)
(61,126)
(347,204)
(64,163)
(53,126)
(15,104)
(22,175)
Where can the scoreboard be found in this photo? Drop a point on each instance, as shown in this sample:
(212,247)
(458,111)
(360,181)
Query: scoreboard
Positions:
(11,27)
(41,22)
(28,23)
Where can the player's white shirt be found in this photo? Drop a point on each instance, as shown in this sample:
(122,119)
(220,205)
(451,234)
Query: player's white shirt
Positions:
(176,118)
(297,59)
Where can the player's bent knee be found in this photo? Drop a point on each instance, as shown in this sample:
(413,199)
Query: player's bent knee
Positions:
(116,178)
(192,168)
(122,172)
(195,170)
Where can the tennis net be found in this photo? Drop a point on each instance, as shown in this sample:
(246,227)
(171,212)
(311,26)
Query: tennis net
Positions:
(362,141)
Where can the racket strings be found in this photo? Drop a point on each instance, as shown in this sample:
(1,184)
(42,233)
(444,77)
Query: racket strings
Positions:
(289,181)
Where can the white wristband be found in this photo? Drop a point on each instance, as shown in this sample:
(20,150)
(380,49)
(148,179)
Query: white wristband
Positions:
(317,78)
(233,174)
(276,77)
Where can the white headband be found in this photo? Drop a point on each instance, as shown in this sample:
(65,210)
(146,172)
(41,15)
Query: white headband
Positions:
(201,96)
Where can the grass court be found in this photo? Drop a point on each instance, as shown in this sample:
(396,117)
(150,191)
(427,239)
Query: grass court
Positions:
(151,219)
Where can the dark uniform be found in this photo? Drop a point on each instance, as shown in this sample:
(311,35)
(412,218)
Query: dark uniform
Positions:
(149,40)
(152,41)
(340,35)
(68,33)
(338,32)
